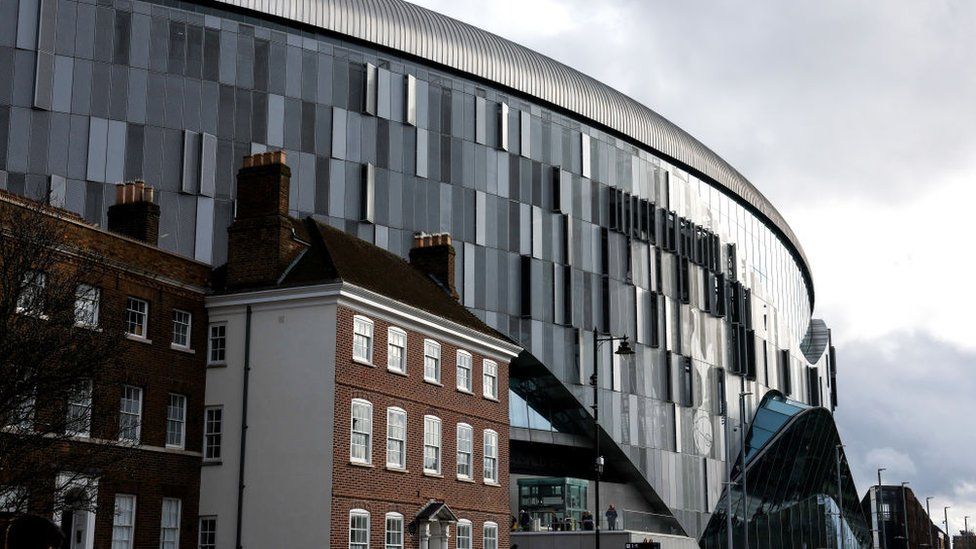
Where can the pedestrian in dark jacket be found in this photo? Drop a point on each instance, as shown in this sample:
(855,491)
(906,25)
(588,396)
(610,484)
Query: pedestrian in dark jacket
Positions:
(611,517)
(587,519)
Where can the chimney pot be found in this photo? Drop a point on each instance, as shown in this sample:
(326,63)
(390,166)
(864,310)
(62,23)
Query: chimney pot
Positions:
(434,255)
(260,240)
(134,213)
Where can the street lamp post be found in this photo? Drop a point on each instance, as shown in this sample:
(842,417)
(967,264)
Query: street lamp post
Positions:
(745,492)
(928,516)
(965,521)
(882,542)
(904,511)
(840,496)
(948,535)
(623,349)
(728,472)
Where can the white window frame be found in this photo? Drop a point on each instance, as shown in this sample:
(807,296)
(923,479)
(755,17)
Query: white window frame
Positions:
(465,443)
(137,414)
(211,338)
(391,439)
(490,464)
(432,355)
(433,440)
(391,333)
(353,514)
(188,333)
(465,367)
(118,527)
(176,424)
(79,398)
(132,314)
(30,301)
(490,527)
(489,379)
(363,327)
(464,532)
(172,527)
(367,458)
(211,533)
(213,439)
(87,304)
(397,530)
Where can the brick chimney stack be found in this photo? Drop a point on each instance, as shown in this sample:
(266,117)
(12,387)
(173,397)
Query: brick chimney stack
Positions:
(261,241)
(135,214)
(434,255)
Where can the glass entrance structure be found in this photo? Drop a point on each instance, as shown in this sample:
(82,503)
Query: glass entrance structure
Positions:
(558,503)
(792,497)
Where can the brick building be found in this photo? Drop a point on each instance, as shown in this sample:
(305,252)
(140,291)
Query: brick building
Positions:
(129,470)
(355,402)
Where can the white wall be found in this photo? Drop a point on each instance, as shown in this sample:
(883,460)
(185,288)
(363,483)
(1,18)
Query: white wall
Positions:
(288,464)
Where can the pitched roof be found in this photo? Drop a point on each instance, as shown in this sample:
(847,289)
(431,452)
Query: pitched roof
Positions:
(334,255)
(435,510)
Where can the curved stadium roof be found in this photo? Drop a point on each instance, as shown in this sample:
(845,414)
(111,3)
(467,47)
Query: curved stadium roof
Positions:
(436,38)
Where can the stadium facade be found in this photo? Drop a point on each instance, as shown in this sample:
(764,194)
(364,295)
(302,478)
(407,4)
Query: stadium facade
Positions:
(573,208)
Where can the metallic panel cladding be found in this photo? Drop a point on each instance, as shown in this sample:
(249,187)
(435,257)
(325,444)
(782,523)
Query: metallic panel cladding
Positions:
(428,35)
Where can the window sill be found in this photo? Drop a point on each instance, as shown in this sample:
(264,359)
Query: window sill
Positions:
(465,391)
(492,484)
(433,474)
(138,338)
(182,349)
(175,447)
(361,464)
(363,362)
(396,469)
(433,382)
(216,365)
(26,312)
(493,399)
(466,480)
(211,462)
(396,372)
(87,326)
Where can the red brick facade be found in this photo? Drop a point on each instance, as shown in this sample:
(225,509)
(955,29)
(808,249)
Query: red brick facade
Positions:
(149,471)
(380,490)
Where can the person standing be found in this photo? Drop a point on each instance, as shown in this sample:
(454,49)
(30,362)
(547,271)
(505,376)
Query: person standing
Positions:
(611,517)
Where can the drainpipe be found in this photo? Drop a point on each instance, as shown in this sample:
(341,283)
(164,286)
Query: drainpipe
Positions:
(240,465)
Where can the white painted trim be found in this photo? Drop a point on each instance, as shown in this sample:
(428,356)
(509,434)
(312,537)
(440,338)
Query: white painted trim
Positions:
(376,305)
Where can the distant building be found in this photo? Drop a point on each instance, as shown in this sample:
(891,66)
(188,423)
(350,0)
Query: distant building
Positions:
(965,540)
(896,523)
(130,463)
(352,401)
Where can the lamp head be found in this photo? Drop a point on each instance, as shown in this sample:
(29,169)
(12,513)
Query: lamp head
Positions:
(624,349)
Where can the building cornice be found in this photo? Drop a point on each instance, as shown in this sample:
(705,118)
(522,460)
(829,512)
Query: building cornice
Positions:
(369,302)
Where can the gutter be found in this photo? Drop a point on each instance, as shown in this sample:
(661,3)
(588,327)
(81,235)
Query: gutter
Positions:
(240,465)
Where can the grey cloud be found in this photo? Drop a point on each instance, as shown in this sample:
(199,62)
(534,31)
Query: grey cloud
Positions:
(808,100)
(905,404)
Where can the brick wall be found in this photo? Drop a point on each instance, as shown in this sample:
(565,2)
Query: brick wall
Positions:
(166,282)
(380,490)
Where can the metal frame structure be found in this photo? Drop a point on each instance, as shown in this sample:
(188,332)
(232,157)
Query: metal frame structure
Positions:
(437,38)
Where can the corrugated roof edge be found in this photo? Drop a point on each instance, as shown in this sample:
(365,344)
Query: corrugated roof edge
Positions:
(458,46)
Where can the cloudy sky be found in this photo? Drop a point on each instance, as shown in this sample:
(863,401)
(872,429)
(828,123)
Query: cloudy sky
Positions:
(857,118)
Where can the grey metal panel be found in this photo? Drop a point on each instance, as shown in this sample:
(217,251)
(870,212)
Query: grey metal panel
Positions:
(439,39)
(208,164)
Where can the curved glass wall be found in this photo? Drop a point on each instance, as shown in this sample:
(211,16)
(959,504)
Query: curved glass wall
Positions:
(559,227)
(791,485)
